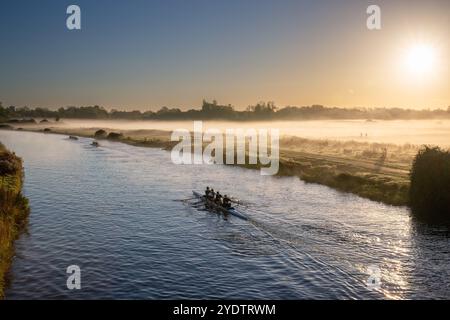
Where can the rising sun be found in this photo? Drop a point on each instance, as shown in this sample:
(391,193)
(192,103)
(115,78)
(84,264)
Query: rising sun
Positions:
(420,58)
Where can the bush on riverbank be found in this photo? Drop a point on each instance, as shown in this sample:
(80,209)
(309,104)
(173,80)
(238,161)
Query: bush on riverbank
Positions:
(430,184)
(5,126)
(115,135)
(100,133)
(13,209)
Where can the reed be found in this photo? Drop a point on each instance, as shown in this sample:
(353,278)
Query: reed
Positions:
(14,209)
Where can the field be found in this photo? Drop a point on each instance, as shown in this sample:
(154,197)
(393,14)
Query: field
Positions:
(377,171)
(417,132)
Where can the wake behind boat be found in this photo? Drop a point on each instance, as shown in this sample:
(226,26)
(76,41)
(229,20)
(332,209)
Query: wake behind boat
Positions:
(230,210)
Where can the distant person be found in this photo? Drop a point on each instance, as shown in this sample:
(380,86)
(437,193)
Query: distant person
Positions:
(207,192)
(212,194)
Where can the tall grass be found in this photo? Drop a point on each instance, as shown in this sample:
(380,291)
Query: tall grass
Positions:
(430,184)
(13,209)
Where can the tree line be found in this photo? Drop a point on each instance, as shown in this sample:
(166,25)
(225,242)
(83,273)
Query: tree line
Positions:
(213,110)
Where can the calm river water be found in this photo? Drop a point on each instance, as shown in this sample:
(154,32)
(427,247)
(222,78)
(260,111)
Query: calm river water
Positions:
(112,211)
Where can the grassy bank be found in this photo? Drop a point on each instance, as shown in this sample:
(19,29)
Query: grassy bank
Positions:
(376,171)
(13,209)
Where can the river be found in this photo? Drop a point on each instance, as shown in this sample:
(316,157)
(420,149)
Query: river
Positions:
(113,211)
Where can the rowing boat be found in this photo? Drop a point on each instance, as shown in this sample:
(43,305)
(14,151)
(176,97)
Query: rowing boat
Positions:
(211,203)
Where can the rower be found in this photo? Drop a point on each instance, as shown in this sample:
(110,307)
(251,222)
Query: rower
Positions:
(226,202)
(207,192)
(212,195)
(218,199)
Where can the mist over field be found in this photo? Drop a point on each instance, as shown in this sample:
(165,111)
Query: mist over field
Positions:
(417,132)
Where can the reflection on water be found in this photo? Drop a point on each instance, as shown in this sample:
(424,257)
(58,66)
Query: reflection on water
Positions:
(110,210)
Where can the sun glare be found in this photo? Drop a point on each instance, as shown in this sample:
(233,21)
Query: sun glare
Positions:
(420,58)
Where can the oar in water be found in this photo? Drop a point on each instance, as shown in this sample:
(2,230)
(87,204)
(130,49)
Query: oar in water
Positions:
(183,200)
(189,199)
(239,202)
(236,201)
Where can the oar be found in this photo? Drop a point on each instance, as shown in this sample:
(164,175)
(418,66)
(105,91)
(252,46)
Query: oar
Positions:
(235,201)
(182,200)
(239,202)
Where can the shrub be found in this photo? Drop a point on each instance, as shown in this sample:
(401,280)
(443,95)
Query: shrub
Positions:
(100,133)
(115,135)
(430,184)
(9,163)
(13,209)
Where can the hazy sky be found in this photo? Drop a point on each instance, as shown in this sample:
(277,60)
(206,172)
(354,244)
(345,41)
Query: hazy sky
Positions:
(138,54)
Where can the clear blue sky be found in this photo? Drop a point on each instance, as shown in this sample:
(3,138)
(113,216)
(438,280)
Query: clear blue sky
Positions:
(140,54)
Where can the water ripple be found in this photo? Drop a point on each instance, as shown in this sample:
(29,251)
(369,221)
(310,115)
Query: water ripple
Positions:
(110,210)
